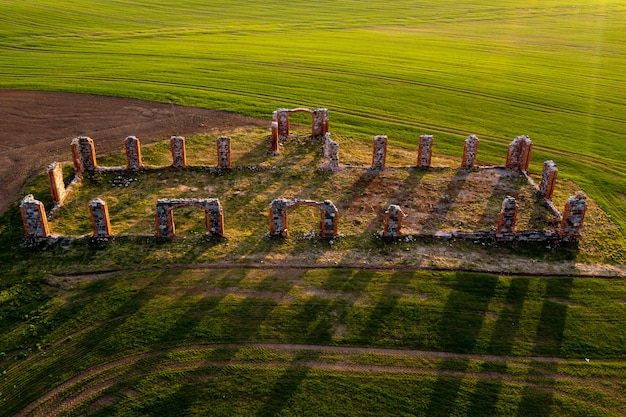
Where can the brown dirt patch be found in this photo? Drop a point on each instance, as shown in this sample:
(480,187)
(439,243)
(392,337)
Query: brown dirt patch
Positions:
(37,128)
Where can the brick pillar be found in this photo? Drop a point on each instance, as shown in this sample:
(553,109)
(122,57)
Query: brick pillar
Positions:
(278,217)
(425,151)
(379,153)
(164,219)
(548,179)
(223,152)
(470,150)
(34,218)
(573,216)
(133,153)
(507,217)
(331,152)
(281,116)
(179,154)
(319,126)
(100,222)
(55,179)
(215,218)
(330,217)
(83,154)
(393,221)
(274,137)
(519,153)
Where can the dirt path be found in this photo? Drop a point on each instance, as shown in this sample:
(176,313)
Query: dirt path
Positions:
(36,128)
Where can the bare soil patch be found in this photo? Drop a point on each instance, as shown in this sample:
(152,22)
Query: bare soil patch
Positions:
(37,127)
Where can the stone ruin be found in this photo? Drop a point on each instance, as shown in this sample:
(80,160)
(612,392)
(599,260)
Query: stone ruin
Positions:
(548,179)
(179,153)
(133,153)
(319,123)
(331,152)
(425,151)
(83,154)
(164,216)
(379,152)
(519,153)
(100,221)
(470,150)
(34,218)
(278,216)
(223,152)
(573,216)
(393,221)
(507,217)
(55,180)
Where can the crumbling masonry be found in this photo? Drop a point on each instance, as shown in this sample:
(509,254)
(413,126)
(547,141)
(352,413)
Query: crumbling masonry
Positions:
(507,217)
(470,150)
(548,179)
(573,216)
(278,216)
(379,152)
(100,221)
(34,218)
(164,217)
(223,152)
(393,221)
(179,153)
(55,179)
(331,152)
(133,153)
(425,151)
(519,153)
(83,154)
(319,123)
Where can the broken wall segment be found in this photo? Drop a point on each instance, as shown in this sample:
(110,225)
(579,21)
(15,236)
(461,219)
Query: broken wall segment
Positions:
(34,218)
(393,221)
(379,152)
(519,153)
(507,217)
(223,152)
(164,216)
(83,155)
(548,179)
(100,221)
(331,152)
(470,150)
(179,153)
(278,216)
(425,151)
(57,186)
(573,216)
(133,153)
(319,123)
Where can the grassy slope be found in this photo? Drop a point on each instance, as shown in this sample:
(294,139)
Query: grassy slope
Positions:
(551,69)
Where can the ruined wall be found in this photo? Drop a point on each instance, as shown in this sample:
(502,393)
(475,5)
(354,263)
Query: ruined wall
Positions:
(83,154)
(275,142)
(507,217)
(331,152)
(548,179)
(379,152)
(34,218)
(393,221)
(164,216)
(223,152)
(179,153)
(573,216)
(133,153)
(519,153)
(470,150)
(425,151)
(55,180)
(100,222)
(278,216)
(319,123)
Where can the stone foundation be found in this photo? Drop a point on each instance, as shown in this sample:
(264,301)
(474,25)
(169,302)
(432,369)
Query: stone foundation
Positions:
(425,151)
(379,152)
(55,179)
(507,217)
(573,216)
(470,150)
(223,152)
(100,221)
(393,221)
(179,153)
(83,154)
(548,179)
(278,216)
(519,153)
(164,217)
(133,153)
(34,218)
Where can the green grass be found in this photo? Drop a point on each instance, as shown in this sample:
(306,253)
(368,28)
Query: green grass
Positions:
(551,70)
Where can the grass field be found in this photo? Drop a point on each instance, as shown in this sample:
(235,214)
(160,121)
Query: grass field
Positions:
(140,327)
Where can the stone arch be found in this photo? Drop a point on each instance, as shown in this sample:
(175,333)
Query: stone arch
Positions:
(280,122)
(164,217)
(278,216)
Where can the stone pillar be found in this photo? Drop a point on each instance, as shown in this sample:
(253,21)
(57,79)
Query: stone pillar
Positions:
(133,153)
(278,217)
(425,151)
(274,137)
(214,217)
(319,126)
(470,150)
(179,154)
(83,154)
(164,219)
(573,216)
(329,219)
(519,153)
(507,217)
(331,151)
(379,153)
(281,116)
(34,218)
(548,179)
(223,152)
(55,179)
(393,221)
(100,221)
